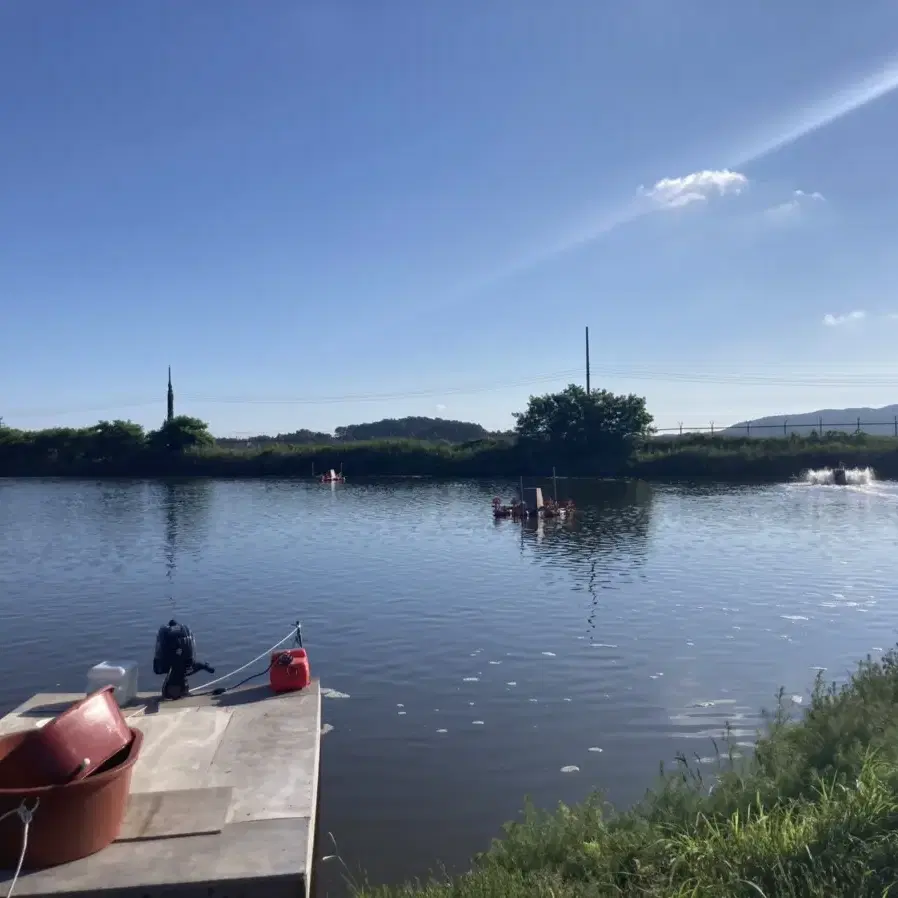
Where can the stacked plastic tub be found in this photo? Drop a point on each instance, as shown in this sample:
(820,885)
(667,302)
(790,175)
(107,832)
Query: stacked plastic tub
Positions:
(74,773)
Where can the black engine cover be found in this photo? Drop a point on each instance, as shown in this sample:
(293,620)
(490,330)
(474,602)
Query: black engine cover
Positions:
(174,645)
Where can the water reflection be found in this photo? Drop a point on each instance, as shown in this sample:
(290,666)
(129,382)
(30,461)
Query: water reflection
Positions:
(603,546)
(184,506)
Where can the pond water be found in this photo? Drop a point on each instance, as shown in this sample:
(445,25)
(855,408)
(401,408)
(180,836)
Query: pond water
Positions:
(470,662)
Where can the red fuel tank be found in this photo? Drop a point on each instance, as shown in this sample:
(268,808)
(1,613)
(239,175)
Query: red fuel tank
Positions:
(290,670)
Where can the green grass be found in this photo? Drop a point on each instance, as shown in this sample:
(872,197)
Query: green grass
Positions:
(770,458)
(813,812)
(80,453)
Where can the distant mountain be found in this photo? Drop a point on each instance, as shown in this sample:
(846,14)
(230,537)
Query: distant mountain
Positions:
(413,428)
(877,421)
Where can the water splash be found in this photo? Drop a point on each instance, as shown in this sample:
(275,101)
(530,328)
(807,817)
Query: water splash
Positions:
(856,476)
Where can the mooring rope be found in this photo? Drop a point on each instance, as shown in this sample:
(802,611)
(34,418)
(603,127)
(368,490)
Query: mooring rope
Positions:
(26,815)
(293,634)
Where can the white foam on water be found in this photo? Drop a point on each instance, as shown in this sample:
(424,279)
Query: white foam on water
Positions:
(603,645)
(534,700)
(549,654)
(442,731)
(333,693)
(401,713)
(326,728)
(471,680)
(495,662)
(594,748)
(477,723)
(854,476)
(793,617)
(568,699)
(400,706)
(797,700)
(570,768)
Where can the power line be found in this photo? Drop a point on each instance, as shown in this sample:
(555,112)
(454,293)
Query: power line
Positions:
(380,397)
(769,378)
(92,410)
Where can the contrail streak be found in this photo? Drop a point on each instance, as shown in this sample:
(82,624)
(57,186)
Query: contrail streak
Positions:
(801,123)
(850,99)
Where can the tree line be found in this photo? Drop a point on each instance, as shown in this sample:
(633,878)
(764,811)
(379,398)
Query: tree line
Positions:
(592,434)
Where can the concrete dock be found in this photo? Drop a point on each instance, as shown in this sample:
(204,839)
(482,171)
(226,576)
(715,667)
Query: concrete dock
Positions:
(223,799)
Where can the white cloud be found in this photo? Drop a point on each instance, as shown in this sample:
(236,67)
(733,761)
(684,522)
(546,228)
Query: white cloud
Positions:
(672,193)
(441,407)
(837,320)
(792,208)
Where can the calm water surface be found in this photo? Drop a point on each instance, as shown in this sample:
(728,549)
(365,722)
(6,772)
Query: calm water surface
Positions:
(475,659)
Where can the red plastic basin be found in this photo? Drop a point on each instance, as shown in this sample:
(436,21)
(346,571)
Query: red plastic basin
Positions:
(73,820)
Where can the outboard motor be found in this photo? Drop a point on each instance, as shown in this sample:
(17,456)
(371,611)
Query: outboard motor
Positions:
(175,658)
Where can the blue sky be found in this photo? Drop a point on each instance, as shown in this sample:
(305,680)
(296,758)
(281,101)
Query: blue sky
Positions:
(325,212)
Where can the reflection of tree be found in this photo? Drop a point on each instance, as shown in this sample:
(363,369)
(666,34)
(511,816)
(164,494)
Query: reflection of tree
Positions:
(604,543)
(184,506)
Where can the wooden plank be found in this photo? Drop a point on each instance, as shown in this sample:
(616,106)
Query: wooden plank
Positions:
(185,812)
(269,753)
(178,749)
(265,859)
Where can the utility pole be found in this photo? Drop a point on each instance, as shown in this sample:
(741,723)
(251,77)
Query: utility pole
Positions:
(587,361)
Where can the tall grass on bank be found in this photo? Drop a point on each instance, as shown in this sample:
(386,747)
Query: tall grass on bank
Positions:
(692,457)
(767,458)
(813,812)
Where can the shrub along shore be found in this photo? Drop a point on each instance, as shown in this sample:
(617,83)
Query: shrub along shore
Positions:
(812,813)
(78,454)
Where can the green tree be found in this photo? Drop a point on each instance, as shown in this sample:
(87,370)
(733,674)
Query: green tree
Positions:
(181,434)
(116,440)
(578,423)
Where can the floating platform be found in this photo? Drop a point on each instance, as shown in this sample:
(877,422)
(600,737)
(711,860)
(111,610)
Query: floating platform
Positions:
(223,799)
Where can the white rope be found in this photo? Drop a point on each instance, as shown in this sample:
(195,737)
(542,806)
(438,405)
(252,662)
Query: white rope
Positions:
(26,815)
(255,660)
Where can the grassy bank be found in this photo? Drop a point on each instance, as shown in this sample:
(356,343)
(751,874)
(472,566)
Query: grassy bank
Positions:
(747,459)
(184,447)
(689,458)
(813,813)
